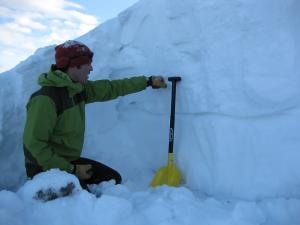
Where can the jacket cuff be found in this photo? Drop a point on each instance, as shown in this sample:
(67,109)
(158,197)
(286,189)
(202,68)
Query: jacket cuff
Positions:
(72,168)
(149,81)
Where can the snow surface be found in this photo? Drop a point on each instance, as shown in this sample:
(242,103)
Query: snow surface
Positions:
(237,123)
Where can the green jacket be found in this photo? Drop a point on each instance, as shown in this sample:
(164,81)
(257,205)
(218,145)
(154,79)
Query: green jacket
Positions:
(54,128)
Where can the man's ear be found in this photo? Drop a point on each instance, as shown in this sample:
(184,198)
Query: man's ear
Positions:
(71,70)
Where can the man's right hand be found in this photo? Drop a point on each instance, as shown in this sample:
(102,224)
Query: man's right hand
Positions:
(83,171)
(156,82)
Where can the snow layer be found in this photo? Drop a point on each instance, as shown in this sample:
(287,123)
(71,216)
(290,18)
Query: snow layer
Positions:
(119,205)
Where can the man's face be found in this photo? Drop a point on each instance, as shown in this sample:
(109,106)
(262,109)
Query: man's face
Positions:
(80,73)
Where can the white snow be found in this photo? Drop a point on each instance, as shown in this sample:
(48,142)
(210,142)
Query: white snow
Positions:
(237,122)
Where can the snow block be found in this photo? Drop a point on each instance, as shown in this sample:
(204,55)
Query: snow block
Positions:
(50,185)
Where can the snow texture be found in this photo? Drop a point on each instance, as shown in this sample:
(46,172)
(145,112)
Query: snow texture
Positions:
(237,122)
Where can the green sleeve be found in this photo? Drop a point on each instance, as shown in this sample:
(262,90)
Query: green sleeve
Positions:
(104,90)
(40,123)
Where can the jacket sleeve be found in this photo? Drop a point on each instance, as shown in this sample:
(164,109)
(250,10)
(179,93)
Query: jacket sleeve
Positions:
(104,90)
(40,123)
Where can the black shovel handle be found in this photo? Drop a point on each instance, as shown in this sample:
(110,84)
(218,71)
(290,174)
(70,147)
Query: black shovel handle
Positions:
(172,116)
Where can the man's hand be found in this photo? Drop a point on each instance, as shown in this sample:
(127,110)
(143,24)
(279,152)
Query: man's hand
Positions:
(156,82)
(83,171)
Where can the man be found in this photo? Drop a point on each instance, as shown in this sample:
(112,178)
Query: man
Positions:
(55,123)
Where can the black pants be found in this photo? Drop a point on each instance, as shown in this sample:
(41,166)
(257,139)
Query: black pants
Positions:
(100,171)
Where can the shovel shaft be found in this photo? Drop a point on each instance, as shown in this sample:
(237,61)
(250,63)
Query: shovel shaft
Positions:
(174,80)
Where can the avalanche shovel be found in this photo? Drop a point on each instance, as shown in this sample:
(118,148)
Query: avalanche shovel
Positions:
(169,175)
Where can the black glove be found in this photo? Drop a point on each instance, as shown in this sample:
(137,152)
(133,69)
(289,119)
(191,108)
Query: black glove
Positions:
(156,82)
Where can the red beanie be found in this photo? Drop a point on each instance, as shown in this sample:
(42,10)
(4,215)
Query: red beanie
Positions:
(72,53)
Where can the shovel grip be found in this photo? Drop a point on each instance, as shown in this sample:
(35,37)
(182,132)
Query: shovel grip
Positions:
(174,79)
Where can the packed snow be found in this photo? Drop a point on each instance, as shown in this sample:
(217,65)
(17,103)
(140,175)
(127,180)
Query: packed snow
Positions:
(237,122)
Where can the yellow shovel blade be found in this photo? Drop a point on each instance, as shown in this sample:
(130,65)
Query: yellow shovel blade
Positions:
(168,175)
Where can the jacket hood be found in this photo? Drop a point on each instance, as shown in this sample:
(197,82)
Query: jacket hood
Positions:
(57,78)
